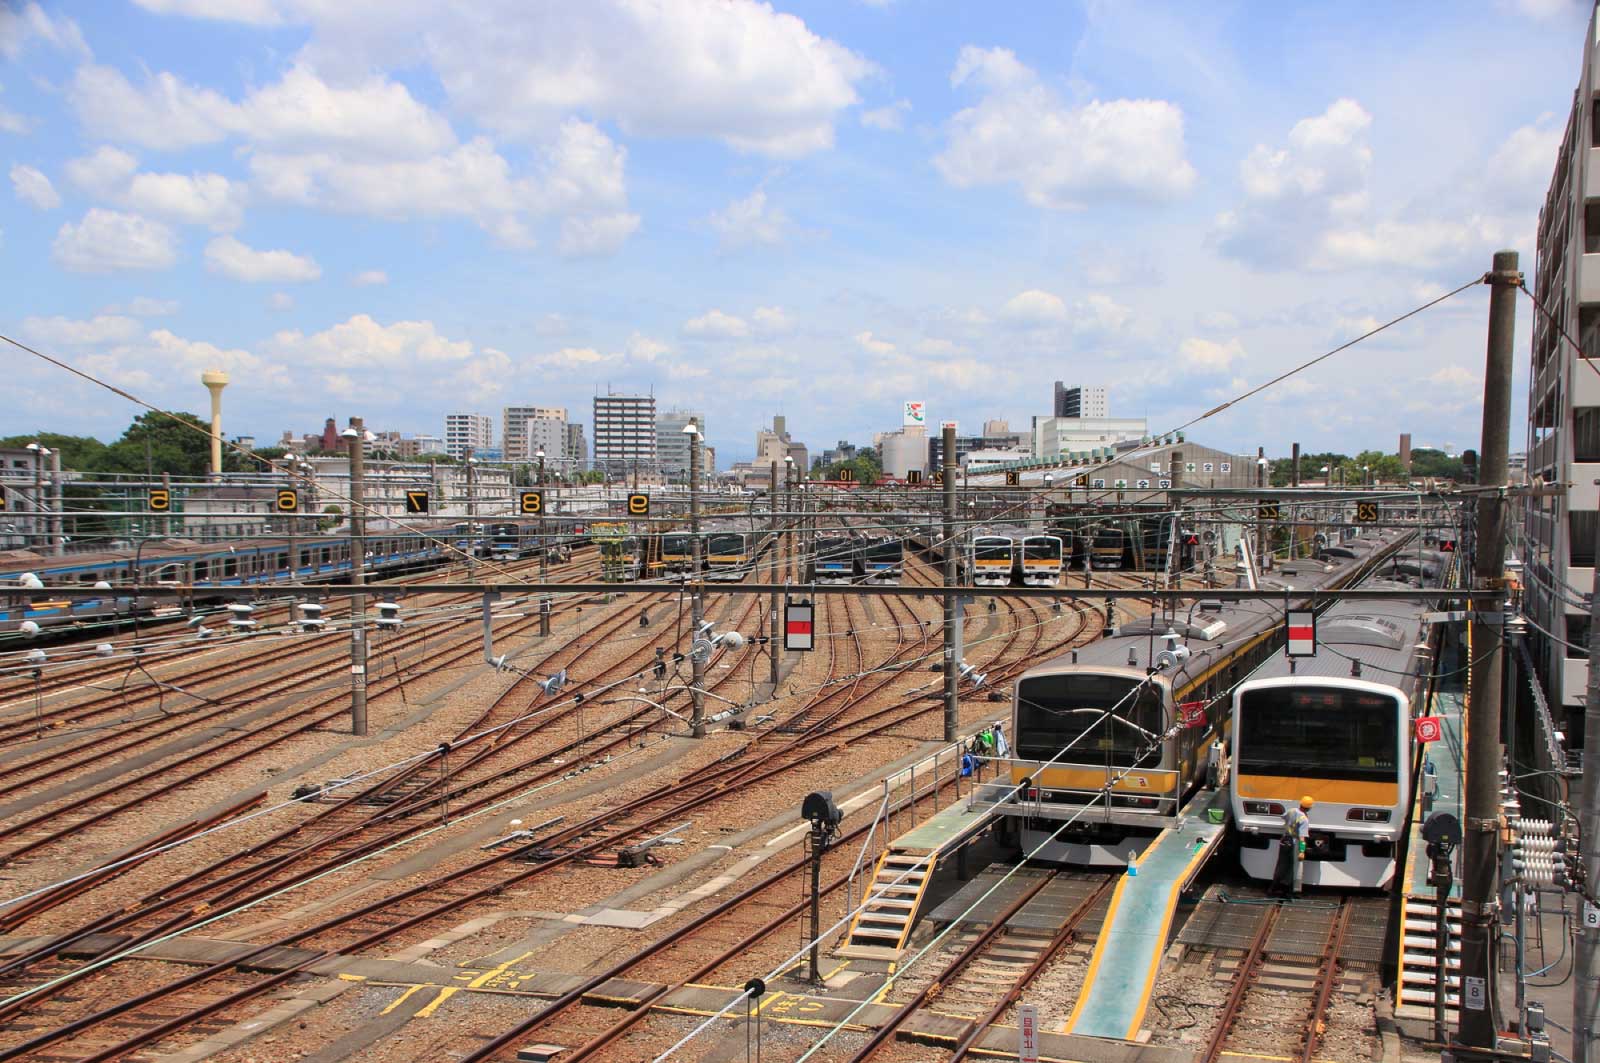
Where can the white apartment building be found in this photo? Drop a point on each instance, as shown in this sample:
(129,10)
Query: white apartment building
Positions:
(545,432)
(903,450)
(1055,436)
(624,433)
(1564,404)
(467,431)
(514,429)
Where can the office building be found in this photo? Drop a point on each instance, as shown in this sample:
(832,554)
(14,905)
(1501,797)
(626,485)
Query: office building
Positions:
(514,430)
(1080,401)
(672,445)
(1055,436)
(545,432)
(624,433)
(467,431)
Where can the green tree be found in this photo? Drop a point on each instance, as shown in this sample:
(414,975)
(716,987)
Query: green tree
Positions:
(156,443)
(1434,463)
(437,459)
(77,452)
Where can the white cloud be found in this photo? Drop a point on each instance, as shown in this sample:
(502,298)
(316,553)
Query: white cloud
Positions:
(107,241)
(103,173)
(751,220)
(891,118)
(253,12)
(207,199)
(21,25)
(34,188)
(772,320)
(1206,356)
(1034,307)
(642,348)
(373,116)
(363,343)
(369,277)
(66,332)
(597,234)
(233,258)
(144,306)
(1457,378)
(1062,157)
(280,302)
(872,345)
(715,324)
(1519,170)
(1217,321)
(571,358)
(1098,312)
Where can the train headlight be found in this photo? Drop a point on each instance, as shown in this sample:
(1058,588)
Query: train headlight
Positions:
(1263,808)
(1368,815)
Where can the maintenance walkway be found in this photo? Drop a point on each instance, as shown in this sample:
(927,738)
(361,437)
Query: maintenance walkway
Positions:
(1122,970)
(1418,959)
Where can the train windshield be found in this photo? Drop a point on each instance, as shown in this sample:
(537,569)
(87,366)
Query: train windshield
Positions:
(834,549)
(726,543)
(1040,549)
(1108,537)
(1105,718)
(884,550)
(992,549)
(675,544)
(1321,732)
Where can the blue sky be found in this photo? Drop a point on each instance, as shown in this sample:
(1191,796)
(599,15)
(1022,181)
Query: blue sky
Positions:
(398,209)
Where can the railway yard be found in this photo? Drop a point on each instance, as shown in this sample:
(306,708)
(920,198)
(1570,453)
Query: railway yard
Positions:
(202,863)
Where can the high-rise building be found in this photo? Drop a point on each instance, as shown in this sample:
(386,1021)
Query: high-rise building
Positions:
(514,429)
(1564,407)
(775,444)
(545,431)
(577,452)
(672,445)
(1079,401)
(467,431)
(624,433)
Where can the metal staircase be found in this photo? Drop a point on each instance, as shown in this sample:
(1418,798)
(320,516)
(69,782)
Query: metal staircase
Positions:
(1419,958)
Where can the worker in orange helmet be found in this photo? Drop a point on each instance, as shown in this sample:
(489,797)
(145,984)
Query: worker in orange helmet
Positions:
(1288,875)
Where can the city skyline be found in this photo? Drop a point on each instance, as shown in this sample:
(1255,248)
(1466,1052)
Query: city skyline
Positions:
(265,195)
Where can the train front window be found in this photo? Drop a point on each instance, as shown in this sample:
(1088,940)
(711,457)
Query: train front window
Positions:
(1327,733)
(1103,717)
(727,544)
(675,544)
(992,549)
(1041,550)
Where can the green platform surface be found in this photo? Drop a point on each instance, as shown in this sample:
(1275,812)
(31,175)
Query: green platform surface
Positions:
(943,829)
(1116,991)
(1450,705)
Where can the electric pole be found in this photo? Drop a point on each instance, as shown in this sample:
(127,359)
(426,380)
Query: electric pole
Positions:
(1480,855)
(358,558)
(952,608)
(697,664)
(544,554)
(772,615)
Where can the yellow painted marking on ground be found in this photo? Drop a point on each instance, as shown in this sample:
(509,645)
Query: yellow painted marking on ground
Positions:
(400,1000)
(353,977)
(488,976)
(433,1005)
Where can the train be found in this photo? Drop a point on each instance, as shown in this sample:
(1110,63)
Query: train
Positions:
(1000,557)
(727,553)
(1110,740)
(1336,727)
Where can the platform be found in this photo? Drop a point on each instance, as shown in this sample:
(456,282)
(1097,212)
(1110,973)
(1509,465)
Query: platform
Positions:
(889,911)
(1417,957)
(1127,954)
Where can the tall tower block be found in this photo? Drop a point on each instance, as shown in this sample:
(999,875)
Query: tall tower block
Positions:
(215,380)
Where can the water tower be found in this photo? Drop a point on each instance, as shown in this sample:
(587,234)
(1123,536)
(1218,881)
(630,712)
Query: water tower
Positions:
(215,380)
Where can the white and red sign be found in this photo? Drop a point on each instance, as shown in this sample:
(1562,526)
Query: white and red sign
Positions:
(1300,627)
(1028,1033)
(1428,728)
(916,414)
(797,626)
(1194,713)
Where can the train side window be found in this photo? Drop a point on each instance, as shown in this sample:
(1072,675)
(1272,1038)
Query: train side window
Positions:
(201,571)
(230,567)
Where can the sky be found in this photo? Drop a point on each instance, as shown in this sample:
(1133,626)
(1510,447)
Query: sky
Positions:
(398,210)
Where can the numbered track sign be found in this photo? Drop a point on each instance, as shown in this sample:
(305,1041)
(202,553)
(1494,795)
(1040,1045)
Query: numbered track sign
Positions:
(913,476)
(1027,1033)
(287,501)
(2,499)
(1429,728)
(532,503)
(797,625)
(1268,510)
(1300,631)
(160,499)
(1366,512)
(1013,479)
(638,505)
(416,501)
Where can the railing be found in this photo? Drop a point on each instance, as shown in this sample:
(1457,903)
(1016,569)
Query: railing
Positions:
(933,771)
(1101,799)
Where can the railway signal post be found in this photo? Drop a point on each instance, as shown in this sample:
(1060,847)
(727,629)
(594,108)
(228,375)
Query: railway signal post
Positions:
(952,652)
(1480,859)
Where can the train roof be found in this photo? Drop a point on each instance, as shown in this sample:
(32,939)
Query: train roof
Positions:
(1383,636)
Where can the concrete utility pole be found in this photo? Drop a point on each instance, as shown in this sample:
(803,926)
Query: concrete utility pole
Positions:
(1480,857)
(166,521)
(39,526)
(544,554)
(952,607)
(773,638)
(697,665)
(358,556)
(472,509)
(1263,555)
(1586,962)
(58,539)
